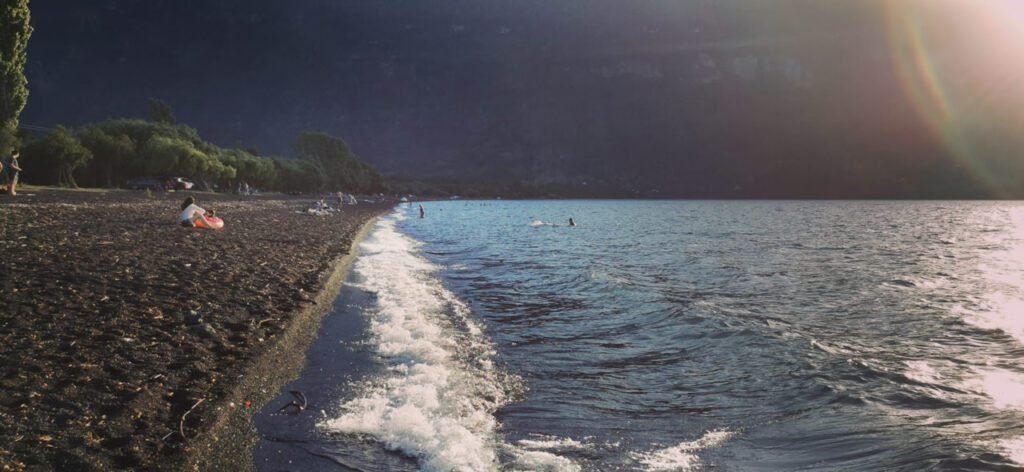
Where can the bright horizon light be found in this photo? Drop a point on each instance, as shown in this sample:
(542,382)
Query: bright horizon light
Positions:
(960,63)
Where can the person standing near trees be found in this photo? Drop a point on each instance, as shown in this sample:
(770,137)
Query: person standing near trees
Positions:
(13,169)
(14,34)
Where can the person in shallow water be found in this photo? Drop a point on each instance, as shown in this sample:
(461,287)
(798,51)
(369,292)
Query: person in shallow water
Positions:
(572,222)
(190,213)
(423,212)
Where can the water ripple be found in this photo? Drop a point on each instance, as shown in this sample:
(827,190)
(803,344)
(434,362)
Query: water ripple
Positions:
(818,335)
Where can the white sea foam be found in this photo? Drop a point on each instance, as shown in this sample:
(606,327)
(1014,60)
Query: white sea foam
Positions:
(683,456)
(541,461)
(552,442)
(437,398)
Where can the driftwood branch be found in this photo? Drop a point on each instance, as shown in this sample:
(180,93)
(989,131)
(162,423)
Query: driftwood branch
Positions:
(260,323)
(181,425)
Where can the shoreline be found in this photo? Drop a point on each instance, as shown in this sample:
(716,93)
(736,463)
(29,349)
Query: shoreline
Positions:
(230,442)
(126,338)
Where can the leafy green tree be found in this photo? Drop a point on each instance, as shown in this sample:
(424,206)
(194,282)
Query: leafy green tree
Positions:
(252,169)
(367,179)
(161,155)
(109,152)
(140,130)
(161,112)
(8,140)
(326,153)
(174,156)
(60,153)
(298,176)
(15,31)
(338,166)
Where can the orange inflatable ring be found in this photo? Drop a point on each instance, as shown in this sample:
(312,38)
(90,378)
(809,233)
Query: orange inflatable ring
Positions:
(215,223)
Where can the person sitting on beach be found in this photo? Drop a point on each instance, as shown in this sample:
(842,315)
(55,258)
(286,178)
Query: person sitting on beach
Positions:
(319,208)
(190,213)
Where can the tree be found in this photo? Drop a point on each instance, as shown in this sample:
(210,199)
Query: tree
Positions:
(326,153)
(296,176)
(252,169)
(59,151)
(338,166)
(108,151)
(161,112)
(167,156)
(15,31)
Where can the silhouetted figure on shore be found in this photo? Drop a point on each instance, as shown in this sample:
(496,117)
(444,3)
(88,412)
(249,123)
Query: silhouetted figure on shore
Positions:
(13,170)
(423,213)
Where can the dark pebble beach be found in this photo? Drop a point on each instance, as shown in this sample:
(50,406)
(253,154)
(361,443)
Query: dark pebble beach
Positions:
(128,341)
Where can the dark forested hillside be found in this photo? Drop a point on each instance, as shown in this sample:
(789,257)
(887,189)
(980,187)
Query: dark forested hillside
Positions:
(790,98)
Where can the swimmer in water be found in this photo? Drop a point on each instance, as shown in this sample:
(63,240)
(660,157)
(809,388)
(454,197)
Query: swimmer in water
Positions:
(571,222)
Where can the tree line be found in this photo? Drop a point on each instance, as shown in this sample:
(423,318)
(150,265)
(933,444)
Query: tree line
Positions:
(14,35)
(110,152)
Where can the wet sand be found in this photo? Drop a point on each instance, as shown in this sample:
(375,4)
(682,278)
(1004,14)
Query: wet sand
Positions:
(128,341)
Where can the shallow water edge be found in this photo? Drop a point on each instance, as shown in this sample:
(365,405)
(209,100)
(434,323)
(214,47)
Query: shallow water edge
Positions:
(229,442)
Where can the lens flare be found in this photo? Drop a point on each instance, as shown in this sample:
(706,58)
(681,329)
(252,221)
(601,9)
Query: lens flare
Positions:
(957,62)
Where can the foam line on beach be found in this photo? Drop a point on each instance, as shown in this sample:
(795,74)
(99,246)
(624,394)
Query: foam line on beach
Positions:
(436,398)
(232,435)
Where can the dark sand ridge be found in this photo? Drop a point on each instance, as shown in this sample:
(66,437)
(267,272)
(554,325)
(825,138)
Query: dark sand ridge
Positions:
(116,323)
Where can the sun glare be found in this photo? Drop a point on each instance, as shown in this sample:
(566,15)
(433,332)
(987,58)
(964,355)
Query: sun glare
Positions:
(960,64)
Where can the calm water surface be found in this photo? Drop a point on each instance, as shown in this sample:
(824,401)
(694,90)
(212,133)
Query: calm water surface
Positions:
(680,335)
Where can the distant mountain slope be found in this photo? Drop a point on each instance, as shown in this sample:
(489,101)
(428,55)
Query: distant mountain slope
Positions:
(791,98)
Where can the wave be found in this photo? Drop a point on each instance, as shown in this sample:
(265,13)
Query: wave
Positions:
(437,396)
(435,400)
(682,456)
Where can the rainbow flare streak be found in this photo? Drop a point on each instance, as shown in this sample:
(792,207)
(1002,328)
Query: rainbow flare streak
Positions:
(933,78)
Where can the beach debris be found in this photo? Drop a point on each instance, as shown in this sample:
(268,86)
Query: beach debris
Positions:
(299,403)
(260,323)
(181,424)
(206,329)
(193,318)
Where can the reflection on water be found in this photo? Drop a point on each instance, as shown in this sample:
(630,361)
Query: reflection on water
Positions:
(1005,388)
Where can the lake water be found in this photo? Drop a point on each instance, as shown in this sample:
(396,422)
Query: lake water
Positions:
(688,335)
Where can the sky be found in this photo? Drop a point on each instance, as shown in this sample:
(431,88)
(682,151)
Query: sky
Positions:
(748,98)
